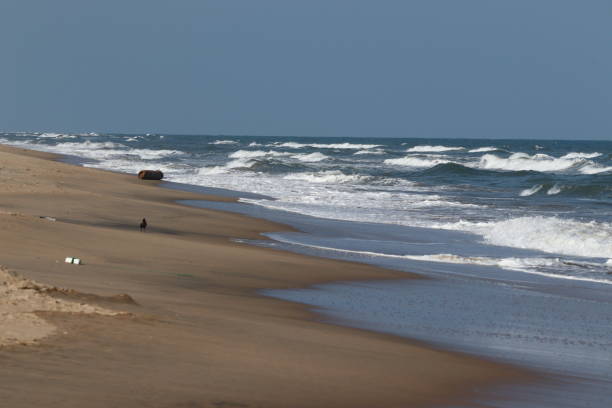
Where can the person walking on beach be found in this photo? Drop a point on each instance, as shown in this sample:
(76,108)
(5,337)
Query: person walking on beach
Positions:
(143,225)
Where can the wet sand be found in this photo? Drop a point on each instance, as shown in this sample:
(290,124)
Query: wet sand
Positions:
(192,330)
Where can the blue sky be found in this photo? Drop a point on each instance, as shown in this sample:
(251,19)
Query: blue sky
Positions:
(422,68)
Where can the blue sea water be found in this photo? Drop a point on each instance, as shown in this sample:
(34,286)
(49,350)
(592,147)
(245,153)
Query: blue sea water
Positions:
(516,233)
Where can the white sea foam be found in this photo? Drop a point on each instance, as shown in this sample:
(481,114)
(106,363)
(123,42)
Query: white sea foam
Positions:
(329,177)
(556,189)
(548,234)
(224,142)
(536,266)
(88,145)
(50,135)
(413,161)
(240,163)
(375,151)
(483,149)
(437,201)
(109,150)
(104,151)
(531,191)
(255,153)
(594,169)
(540,162)
(310,158)
(254,144)
(149,154)
(428,148)
(528,265)
(293,145)
(576,155)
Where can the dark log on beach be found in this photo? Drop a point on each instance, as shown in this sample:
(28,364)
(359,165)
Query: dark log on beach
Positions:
(150,175)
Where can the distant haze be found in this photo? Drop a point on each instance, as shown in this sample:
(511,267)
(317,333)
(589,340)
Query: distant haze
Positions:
(417,68)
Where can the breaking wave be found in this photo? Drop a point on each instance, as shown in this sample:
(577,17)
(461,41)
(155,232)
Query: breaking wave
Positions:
(483,149)
(413,161)
(329,177)
(248,154)
(311,157)
(547,234)
(57,136)
(542,163)
(556,189)
(293,145)
(575,155)
(427,148)
(531,191)
(224,142)
(240,163)
(375,151)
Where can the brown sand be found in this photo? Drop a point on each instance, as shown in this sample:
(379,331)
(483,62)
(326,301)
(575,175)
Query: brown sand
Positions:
(197,334)
(20,298)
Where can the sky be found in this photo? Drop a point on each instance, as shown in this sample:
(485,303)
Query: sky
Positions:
(385,68)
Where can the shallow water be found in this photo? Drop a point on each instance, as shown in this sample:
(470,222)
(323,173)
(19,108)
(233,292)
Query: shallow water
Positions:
(561,327)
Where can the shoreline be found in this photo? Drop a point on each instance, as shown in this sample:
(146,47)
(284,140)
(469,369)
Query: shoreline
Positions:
(176,301)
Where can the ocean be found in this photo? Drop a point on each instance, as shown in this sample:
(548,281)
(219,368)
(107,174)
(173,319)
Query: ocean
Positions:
(517,235)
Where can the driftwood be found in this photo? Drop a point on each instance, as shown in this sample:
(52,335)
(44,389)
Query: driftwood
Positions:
(150,175)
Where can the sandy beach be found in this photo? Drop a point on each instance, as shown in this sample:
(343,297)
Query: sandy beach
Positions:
(171,317)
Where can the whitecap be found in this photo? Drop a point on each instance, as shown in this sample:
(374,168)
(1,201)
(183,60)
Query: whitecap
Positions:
(255,153)
(578,155)
(310,158)
(224,142)
(428,148)
(87,145)
(149,154)
(522,161)
(294,145)
(375,151)
(483,149)
(556,189)
(51,135)
(594,169)
(104,150)
(240,163)
(329,177)
(548,234)
(531,191)
(412,161)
